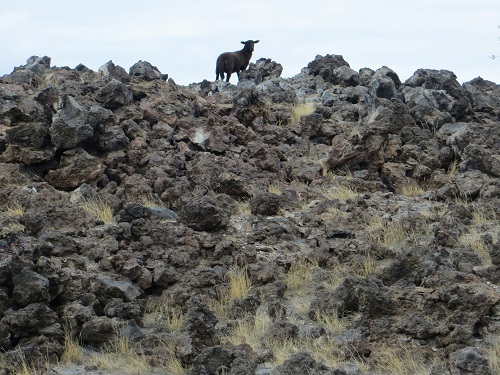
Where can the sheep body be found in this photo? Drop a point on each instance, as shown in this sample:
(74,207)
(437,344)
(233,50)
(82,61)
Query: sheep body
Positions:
(234,62)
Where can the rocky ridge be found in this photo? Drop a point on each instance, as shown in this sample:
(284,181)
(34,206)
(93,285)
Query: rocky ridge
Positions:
(354,215)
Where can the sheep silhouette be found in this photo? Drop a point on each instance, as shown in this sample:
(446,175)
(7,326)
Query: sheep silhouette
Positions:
(234,62)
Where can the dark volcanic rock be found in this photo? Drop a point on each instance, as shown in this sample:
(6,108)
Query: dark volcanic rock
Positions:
(469,361)
(76,167)
(30,287)
(339,193)
(267,204)
(146,71)
(205,214)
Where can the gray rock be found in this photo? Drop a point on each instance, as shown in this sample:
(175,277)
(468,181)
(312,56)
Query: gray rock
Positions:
(324,66)
(146,71)
(345,76)
(76,167)
(30,287)
(204,214)
(282,331)
(299,364)
(115,95)
(262,70)
(199,322)
(354,294)
(111,70)
(267,204)
(469,361)
(69,126)
(106,288)
(35,135)
(29,320)
(99,329)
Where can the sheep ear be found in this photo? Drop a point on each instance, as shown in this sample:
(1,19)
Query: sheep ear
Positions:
(243,42)
(256,41)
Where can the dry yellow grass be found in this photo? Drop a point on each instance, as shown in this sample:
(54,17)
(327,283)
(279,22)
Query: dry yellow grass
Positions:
(484,224)
(244,208)
(174,366)
(302,109)
(299,276)
(163,312)
(364,266)
(493,356)
(73,352)
(411,190)
(390,233)
(275,188)
(13,210)
(453,168)
(475,241)
(333,323)
(250,330)
(151,200)
(239,284)
(342,193)
(119,355)
(332,277)
(22,366)
(98,208)
(401,361)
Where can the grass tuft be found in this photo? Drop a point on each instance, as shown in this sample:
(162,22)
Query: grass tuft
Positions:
(98,208)
(342,193)
(13,210)
(302,109)
(161,312)
(300,275)
(401,361)
(411,190)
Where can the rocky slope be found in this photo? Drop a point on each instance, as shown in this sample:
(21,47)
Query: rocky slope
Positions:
(337,222)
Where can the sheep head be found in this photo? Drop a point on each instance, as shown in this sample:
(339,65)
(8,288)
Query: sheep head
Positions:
(249,45)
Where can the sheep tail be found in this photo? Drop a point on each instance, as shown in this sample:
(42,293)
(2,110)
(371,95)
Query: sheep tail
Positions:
(219,69)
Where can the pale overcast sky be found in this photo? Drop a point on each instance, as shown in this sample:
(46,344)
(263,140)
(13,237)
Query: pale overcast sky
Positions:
(184,38)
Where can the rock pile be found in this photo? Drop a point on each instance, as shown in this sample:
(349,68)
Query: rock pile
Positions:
(341,217)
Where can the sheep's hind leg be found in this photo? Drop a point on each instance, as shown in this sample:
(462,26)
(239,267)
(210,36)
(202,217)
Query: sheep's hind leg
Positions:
(228,76)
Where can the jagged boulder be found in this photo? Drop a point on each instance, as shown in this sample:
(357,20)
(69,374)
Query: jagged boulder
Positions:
(30,287)
(111,70)
(446,83)
(324,66)
(469,361)
(76,167)
(262,70)
(115,95)
(146,71)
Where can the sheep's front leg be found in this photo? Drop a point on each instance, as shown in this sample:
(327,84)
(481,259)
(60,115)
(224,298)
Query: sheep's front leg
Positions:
(228,76)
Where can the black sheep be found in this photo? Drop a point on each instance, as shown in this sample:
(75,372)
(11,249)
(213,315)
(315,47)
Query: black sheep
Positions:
(234,62)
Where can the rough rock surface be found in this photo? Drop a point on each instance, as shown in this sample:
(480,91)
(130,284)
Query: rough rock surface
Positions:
(311,224)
